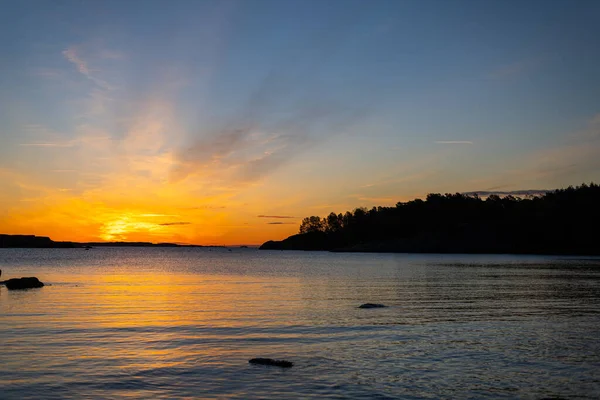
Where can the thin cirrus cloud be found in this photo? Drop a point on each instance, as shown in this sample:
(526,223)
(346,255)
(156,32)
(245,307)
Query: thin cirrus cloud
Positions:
(574,159)
(47,73)
(205,207)
(516,193)
(514,69)
(280,223)
(175,223)
(275,216)
(257,145)
(46,144)
(71,54)
(283,119)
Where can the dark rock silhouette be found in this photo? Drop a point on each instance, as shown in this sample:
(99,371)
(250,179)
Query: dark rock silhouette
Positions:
(23,283)
(372,305)
(270,361)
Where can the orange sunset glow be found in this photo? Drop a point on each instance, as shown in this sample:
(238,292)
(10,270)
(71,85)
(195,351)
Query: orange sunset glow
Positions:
(211,129)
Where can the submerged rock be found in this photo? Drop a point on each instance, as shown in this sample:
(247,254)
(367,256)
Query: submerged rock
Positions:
(23,283)
(270,361)
(371,305)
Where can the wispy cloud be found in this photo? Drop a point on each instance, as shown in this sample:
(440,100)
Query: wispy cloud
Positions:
(281,223)
(453,142)
(338,206)
(572,160)
(83,139)
(47,73)
(515,193)
(175,223)
(72,55)
(405,177)
(259,146)
(275,216)
(206,207)
(377,200)
(68,144)
(111,54)
(491,189)
(513,69)
(289,114)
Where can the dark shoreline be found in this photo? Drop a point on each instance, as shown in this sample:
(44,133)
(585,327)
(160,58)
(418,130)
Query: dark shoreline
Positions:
(443,244)
(44,242)
(365,251)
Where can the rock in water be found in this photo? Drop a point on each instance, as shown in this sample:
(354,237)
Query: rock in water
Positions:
(270,361)
(23,283)
(371,305)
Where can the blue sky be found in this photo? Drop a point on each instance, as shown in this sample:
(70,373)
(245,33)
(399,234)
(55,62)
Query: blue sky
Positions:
(291,107)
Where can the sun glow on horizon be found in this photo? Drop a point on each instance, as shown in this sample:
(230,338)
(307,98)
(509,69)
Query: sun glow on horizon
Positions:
(117,230)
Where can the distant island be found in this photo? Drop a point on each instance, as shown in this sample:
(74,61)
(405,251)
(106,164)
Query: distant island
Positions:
(32,241)
(562,222)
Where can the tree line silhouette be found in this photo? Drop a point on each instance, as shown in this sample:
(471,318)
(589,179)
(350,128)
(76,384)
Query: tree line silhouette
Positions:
(563,221)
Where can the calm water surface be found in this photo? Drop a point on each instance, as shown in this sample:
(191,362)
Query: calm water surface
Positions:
(182,323)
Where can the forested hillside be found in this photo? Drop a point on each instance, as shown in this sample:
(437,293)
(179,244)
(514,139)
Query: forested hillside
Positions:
(564,221)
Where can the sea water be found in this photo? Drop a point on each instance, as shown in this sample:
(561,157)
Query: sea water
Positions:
(153,323)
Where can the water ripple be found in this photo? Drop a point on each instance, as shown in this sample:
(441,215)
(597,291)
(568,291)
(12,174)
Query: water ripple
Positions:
(182,323)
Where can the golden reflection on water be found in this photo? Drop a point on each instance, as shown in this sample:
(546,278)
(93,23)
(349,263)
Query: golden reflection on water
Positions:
(141,321)
(161,300)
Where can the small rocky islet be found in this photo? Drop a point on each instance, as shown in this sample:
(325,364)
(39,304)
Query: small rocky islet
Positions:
(23,283)
(372,305)
(271,362)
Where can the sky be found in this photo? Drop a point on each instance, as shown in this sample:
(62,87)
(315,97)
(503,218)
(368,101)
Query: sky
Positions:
(227,122)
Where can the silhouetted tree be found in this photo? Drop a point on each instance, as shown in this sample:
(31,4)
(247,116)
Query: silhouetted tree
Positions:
(334,222)
(311,224)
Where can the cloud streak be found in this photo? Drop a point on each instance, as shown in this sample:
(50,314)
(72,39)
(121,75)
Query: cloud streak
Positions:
(261,144)
(46,144)
(175,223)
(515,193)
(78,141)
(453,142)
(573,160)
(287,115)
(71,55)
(513,70)
(275,216)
